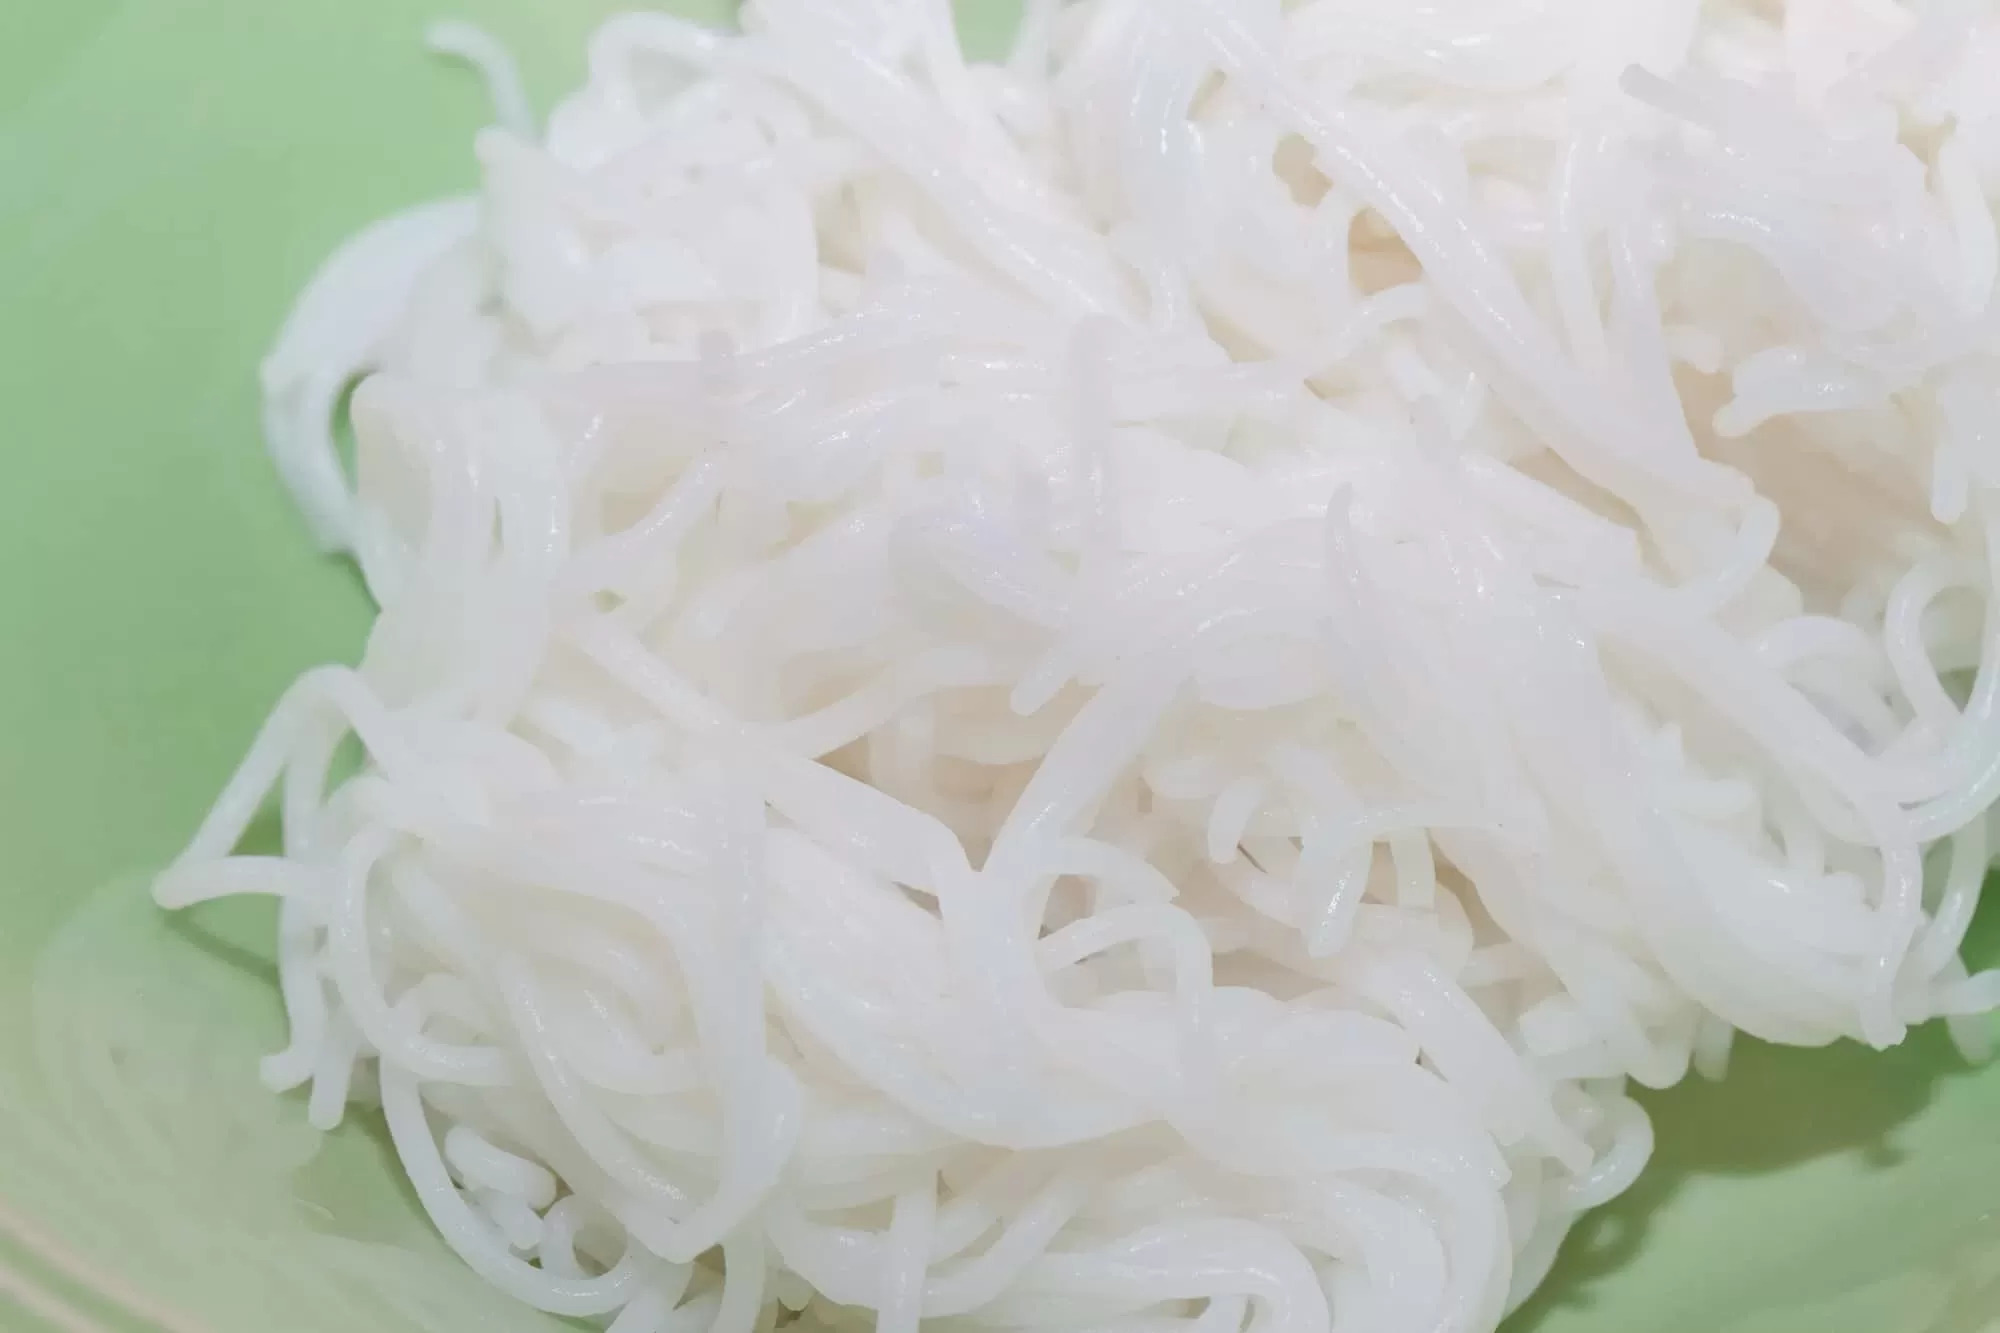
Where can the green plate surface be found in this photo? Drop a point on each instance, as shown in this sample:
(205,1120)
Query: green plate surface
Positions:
(170,172)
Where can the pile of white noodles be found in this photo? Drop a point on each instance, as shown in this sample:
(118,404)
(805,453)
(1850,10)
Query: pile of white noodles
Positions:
(1121,690)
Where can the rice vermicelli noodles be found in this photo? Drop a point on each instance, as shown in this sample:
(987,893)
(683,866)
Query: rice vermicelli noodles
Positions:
(1127,687)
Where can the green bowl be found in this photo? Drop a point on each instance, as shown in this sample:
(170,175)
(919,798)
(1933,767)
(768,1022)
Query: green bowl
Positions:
(170,172)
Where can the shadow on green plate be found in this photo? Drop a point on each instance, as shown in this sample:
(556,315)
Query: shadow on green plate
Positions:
(1839,1100)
